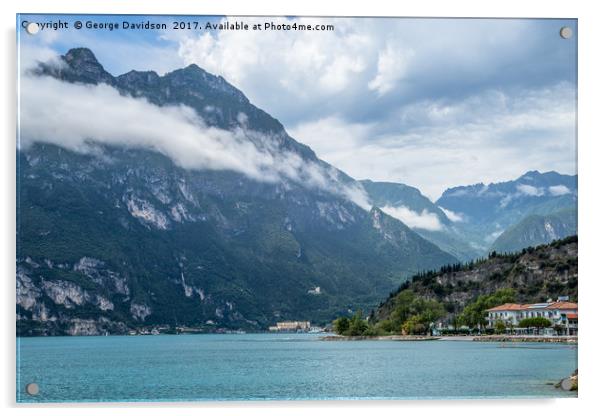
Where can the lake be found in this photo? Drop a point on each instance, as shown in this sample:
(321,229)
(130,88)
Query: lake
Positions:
(284,367)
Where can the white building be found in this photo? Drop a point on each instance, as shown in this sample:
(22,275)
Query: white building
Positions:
(287,326)
(315,291)
(562,314)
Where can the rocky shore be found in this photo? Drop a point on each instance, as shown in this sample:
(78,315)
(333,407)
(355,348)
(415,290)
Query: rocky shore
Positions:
(379,338)
(519,338)
(569,383)
(481,338)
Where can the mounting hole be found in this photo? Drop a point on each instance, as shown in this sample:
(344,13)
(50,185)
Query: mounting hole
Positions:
(566,32)
(32,28)
(32,389)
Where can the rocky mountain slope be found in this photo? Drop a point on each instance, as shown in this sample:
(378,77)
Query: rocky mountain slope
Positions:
(536,275)
(537,229)
(122,237)
(407,203)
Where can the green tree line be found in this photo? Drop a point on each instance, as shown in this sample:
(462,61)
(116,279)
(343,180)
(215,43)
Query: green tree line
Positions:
(411,315)
(416,315)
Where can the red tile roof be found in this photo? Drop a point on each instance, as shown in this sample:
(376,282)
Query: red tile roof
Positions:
(562,305)
(529,307)
(571,315)
(507,307)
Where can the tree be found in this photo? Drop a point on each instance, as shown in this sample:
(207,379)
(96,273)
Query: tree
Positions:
(403,307)
(430,311)
(473,314)
(559,329)
(413,326)
(419,311)
(413,314)
(500,327)
(510,326)
(536,322)
(341,325)
(357,325)
(386,325)
(455,321)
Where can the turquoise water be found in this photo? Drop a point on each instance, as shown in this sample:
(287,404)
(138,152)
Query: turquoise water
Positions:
(283,367)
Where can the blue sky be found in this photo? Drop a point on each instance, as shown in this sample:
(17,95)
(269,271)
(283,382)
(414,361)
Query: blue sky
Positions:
(433,103)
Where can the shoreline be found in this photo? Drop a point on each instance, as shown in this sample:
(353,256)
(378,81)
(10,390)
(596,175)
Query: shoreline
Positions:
(379,338)
(476,338)
(527,338)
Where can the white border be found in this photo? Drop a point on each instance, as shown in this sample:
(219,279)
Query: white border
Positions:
(590,35)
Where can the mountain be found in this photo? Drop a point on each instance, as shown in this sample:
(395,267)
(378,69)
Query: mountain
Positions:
(123,238)
(535,275)
(489,210)
(410,206)
(537,229)
(397,194)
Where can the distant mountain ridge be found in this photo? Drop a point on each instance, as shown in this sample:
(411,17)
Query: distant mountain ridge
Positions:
(467,221)
(537,229)
(487,211)
(398,194)
(481,203)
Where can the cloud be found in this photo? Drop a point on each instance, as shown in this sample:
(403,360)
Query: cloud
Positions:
(300,64)
(493,236)
(558,190)
(68,115)
(31,55)
(453,216)
(392,66)
(382,63)
(529,190)
(332,137)
(507,199)
(521,190)
(437,144)
(79,117)
(432,103)
(425,220)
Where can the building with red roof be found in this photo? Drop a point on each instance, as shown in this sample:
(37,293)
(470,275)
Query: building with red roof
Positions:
(562,314)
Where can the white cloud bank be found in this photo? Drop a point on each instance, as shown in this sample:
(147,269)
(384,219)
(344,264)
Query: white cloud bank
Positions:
(425,220)
(530,190)
(452,216)
(78,117)
(558,190)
